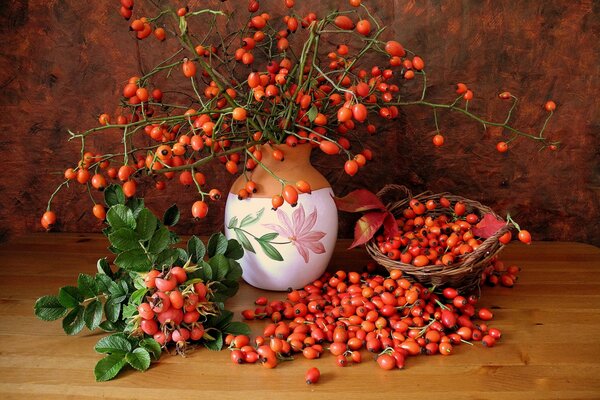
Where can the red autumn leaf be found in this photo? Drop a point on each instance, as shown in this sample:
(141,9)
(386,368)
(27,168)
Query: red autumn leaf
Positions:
(366,227)
(359,200)
(488,226)
(390,227)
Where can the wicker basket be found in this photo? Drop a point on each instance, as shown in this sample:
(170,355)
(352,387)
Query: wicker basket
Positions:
(465,273)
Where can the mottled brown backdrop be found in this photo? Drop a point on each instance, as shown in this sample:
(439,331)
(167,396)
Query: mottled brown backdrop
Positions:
(63,62)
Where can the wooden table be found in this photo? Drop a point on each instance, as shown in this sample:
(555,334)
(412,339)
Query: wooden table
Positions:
(550,348)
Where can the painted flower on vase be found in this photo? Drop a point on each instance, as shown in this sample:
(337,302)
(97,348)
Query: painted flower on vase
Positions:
(299,231)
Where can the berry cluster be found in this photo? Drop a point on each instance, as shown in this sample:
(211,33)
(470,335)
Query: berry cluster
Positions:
(347,312)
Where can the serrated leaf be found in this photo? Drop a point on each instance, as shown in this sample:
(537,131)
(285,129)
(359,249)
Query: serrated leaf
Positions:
(237,328)
(220,266)
(118,291)
(217,343)
(113,344)
(112,309)
(103,267)
(87,285)
(93,315)
(73,323)
(219,321)
(366,227)
(48,308)
(167,257)
(232,222)
(108,326)
(271,251)
(235,271)
(205,270)
(268,237)
(137,296)
(114,195)
(129,311)
(234,250)
(146,224)
(224,290)
(152,347)
(312,113)
(120,216)
(69,296)
(103,282)
(159,241)
(244,241)
(136,205)
(217,244)
(133,260)
(139,359)
(171,216)
(124,239)
(196,249)
(173,237)
(109,367)
(182,256)
(252,218)
(358,201)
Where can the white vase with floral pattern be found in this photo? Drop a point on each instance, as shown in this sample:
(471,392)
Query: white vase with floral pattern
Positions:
(291,246)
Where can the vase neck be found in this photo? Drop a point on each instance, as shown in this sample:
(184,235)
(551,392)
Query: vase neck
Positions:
(297,155)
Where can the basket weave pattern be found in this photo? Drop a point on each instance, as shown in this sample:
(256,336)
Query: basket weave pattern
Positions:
(465,273)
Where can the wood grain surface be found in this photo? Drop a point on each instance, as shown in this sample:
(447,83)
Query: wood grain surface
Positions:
(63,62)
(549,349)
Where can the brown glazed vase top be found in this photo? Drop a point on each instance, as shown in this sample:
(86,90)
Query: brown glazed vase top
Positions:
(294,167)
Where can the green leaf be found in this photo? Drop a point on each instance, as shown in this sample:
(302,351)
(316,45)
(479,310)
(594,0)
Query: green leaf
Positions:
(49,308)
(220,266)
(136,205)
(137,296)
(182,256)
(134,260)
(139,359)
(232,222)
(104,267)
(120,216)
(173,237)
(124,239)
(217,343)
(103,282)
(224,290)
(237,328)
(171,216)
(112,309)
(159,241)
(129,311)
(73,322)
(251,219)
(219,321)
(69,296)
(108,326)
(109,367)
(116,343)
(167,257)
(270,251)
(235,271)
(93,315)
(114,195)
(118,291)
(312,113)
(234,250)
(146,224)
(196,249)
(243,239)
(217,244)
(268,237)
(87,285)
(205,271)
(152,346)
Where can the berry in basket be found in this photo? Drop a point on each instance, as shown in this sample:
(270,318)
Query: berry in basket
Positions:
(440,239)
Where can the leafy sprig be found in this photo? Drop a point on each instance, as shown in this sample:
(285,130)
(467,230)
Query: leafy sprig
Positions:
(108,300)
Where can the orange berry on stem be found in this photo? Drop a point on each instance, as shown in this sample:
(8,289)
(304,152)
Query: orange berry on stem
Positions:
(290,195)
(99,211)
(199,209)
(351,167)
(524,236)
